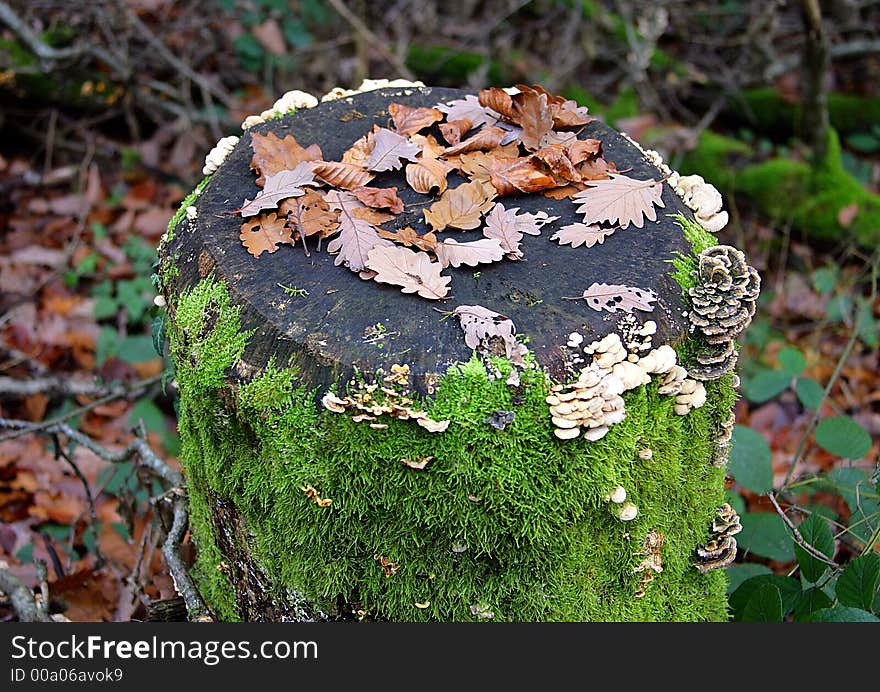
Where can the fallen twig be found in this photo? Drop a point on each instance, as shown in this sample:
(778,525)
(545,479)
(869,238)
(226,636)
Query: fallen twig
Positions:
(21,598)
(798,538)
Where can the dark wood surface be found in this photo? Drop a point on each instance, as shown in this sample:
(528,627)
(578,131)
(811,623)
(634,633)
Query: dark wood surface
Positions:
(328,333)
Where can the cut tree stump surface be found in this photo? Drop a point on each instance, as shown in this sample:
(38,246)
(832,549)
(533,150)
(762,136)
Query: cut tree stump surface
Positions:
(346,323)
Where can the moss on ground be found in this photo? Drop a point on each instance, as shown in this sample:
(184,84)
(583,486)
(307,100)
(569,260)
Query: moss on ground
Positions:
(510,521)
(786,189)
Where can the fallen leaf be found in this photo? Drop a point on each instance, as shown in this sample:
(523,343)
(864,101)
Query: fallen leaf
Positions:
(452,253)
(534,116)
(409,120)
(519,175)
(409,237)
(469,108)
(567,191)
(356,237)
(309,215)
(478,165)
(345,175)
(454,130)
(265,233)
(390,151)
(460,207)
(620,200)
(487,138)
(614,297)
(580,150)
(578,234)
(379,198)
(358,153)
(374,216)
(481,325)
(531,224)
(273,155)
(501,224)
(426,174)
(279,186)
(596,169)
(556,159)
(414,272)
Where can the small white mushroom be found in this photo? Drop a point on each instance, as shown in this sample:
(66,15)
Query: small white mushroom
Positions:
(575,339)
(294,100)
(645,454)
(252,120)
(159,301)
(630,374)
(648,329)
(433,425)
(567,433)
(560,422)
(626,511)
(596,433)
(617,495)
(333,403)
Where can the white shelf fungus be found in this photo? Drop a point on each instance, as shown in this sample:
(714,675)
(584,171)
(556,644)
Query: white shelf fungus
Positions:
(218,154)
(369,85)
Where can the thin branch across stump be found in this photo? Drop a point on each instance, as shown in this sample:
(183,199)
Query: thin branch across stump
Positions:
(328,321)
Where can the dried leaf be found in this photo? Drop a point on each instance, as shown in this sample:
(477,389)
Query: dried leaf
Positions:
(478,165)
(481,325)
(469,108)
(567,191)
(501,224)
(429,145)
(483,251)
(556,159)
(460,207)
(578,234)
(531,224)
(390,150)
(414,272)
(265,234)
(487,138)
(454,130)
(357,236)
(428,173)
(310,215)
(498,101)
(272,154)
(596,169)
(410,238)
(358,153)
(345,175)
(614,297)
(565,113)
(520,175)
(620,200)
(581,150)
(409,120)
(374,216)
(279,186)
(379,198)
(534,116)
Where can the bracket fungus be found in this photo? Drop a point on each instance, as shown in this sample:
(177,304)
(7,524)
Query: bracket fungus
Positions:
(218,154)
(722,306)
(720,550)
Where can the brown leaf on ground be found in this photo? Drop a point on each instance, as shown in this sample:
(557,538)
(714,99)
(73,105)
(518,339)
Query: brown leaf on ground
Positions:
(380,198)
(454,130)
(478,165)
(580,150)
(520,175)
(535,118)
(356,237)
(483,251)
(390,151)
(408,237)
(556,159)
(272,154)
(469,108)
(501,225)
(344,175)
(265,233)
(486,139)
(309,215)
(567,191)
(578,234)
(596,169)
(481,326)
(280,186)
(409,120)
(499,101)
(460,207)
(614,297)
(428,173)
(373,216)
(620,200)
(414,272)
(358,153)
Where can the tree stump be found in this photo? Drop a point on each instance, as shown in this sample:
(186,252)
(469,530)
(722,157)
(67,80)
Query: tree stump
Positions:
(304,513)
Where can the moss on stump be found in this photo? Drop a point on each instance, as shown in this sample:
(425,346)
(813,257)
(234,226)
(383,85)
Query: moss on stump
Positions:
(300,513)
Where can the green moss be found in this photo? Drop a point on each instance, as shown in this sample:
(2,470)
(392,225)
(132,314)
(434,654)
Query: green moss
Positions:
(685,265)
(188,201)
(786,189)
(512,520)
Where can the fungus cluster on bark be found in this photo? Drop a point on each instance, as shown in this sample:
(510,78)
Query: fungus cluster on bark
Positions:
(720,551)
(722,306)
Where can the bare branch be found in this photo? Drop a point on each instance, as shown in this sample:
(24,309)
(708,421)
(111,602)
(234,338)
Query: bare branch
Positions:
(799,539)
(22,598)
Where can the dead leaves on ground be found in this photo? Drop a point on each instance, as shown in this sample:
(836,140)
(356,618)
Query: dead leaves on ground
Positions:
(503,142)
(613,297)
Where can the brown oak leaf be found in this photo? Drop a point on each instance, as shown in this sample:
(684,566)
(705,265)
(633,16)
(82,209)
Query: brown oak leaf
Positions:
(596,169)
(566,113)
(356,235)
(280,186)
(519,175)
(487,138)
(345,175)
(460,207)
(409,120)
(310,215)
(481,326)
(265,233)
(498,101)
(358,153)
(531,224)
(501,225)
(534,116)
(428,173)
(414,272)
(483,251)
(273,154)
(469,108)
(620,200)
(564,192)
(379,198)
(577,234)
(409,237)
(580,150)
(478,165)
(390,151)
(454,130)
(556,159)
(374,216)
(614,297)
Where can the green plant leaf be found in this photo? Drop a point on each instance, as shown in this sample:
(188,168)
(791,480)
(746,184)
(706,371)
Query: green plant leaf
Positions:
(866,325)
(843,437)
(750,463)
(146,410)
(809,392)
(739,572)
(817,533)
(734,499)
(789,591)
(824,279)
(842,614)
(765,385)
(137,348)
(863,142)
(858,583)
(810,601)
(792,361)
(856,487)
(765,535)
(764,605)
